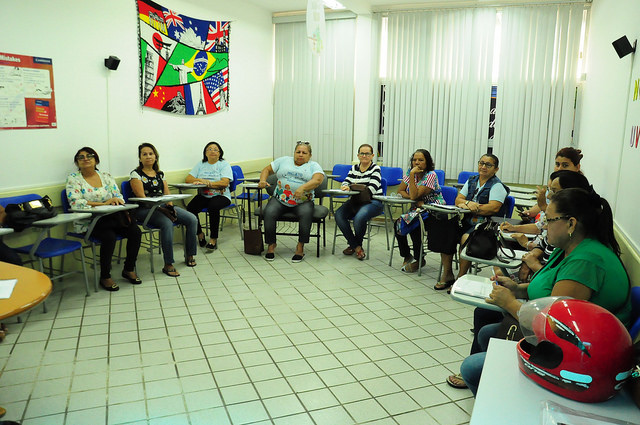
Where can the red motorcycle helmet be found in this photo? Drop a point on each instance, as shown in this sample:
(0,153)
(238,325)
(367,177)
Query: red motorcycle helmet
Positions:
(574,348)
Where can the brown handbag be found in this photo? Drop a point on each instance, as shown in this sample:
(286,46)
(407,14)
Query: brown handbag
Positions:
(363,197)
(253,244)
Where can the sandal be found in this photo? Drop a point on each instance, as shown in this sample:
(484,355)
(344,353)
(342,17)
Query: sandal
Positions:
(456,381)
(133,280)
(444,285)
(114,286)
(360,254)
(348,251)
(191,262)
(170,271)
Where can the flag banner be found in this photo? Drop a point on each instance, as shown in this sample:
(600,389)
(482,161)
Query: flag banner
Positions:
(184,62)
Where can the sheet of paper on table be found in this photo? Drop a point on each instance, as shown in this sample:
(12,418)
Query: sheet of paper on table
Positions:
(6,288)
(474,286)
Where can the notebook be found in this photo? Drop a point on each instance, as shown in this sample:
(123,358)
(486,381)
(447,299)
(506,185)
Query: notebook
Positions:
(474,286)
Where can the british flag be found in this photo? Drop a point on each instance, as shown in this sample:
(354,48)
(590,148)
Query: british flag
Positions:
(172,18)
(218,30)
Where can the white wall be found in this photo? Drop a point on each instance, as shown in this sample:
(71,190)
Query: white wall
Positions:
(101,108)
(609,162)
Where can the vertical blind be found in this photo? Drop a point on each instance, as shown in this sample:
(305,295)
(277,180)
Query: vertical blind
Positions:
(437,80)
(536,89)
(314,95)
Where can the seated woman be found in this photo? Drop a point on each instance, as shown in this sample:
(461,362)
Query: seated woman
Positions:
(585,265)
(214,172)
(484,196)
(420,184)
(368,174)
(90,187)
(147,180)
(566,159)
(297,176)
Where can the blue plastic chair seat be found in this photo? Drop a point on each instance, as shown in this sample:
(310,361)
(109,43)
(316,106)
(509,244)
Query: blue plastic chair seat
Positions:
(52,247)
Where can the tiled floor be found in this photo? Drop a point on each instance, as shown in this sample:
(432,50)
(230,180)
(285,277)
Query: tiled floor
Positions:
(239,340)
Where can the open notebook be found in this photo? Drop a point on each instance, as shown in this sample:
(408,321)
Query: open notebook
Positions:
(474,286)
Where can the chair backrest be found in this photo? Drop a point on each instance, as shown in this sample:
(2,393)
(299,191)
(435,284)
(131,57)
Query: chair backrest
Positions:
(19,199)
(238,175)
(510,202)
(340,170)
(464,176)
(125,188)
(635,312)
(64,201)
(393,175)
(383,185)
(449,194)
(440,174)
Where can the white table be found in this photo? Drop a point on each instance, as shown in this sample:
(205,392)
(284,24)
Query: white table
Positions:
(506,396)
(471,300)
(181,186)
(153,202)
(494,262)
(100,211)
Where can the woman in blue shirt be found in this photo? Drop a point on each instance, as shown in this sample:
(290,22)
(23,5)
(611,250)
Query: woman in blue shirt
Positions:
(214,172)
(297,176)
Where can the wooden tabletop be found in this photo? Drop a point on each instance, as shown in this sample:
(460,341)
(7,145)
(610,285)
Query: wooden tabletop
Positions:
(32,288)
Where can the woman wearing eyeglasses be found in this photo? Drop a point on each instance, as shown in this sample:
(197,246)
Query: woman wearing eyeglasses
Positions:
(585,265)
(368,174)
(420,184)
(148,180)
(297,177)
(214,172)
(90,187)
(483,195)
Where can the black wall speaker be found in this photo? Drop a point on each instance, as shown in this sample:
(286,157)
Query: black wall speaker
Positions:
(623,47)
(112,63)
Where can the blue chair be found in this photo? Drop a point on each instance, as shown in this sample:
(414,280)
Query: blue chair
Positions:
(464,176)
(150,233)
(449,194)
(383,186)
(635,312)
(47,247)
(510,202)
(393,175)
(440,174)
(90,242)
(237,171)
(341,171)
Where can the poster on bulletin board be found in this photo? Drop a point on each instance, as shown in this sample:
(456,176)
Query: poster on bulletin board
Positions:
(26,92)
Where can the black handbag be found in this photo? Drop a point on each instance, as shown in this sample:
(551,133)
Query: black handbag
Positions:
(509,329)
(253,244)
(363,197)
(485,241)
(22,215)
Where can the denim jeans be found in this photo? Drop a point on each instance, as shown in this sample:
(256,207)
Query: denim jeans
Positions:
(162,222)
(360,219)
(471,368)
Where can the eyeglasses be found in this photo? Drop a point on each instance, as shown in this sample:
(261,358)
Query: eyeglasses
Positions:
(300,142)
(213,150)
(365,153)
(546,220)
(83,157)
(485,164)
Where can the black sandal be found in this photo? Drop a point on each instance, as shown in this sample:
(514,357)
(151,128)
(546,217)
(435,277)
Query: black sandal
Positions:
(133,280)
(191,262)
(441,286)
(169,270)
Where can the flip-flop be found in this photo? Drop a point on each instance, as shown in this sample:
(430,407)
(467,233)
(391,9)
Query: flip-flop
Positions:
(360,254)
(456,381)
(191,262)
(441,286)
(169,270)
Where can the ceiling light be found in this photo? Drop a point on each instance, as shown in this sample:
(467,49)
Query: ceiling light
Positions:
(333,4)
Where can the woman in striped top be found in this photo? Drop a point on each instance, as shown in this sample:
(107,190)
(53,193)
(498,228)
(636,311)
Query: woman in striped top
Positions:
(368,174)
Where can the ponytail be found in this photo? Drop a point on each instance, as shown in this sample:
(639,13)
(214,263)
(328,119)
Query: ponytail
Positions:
(593,213)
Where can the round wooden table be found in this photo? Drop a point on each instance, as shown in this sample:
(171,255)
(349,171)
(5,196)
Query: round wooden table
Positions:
(32,288)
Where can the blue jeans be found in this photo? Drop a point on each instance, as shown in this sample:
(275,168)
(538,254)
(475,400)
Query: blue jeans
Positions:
(360,219)
(471,367)
(162,222)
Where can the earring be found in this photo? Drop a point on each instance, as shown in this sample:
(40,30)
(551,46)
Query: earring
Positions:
(570,235)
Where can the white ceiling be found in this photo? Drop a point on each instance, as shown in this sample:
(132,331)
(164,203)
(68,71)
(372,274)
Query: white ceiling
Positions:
(357,6)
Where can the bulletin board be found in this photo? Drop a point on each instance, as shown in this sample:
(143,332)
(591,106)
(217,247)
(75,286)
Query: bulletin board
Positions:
(27,97)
